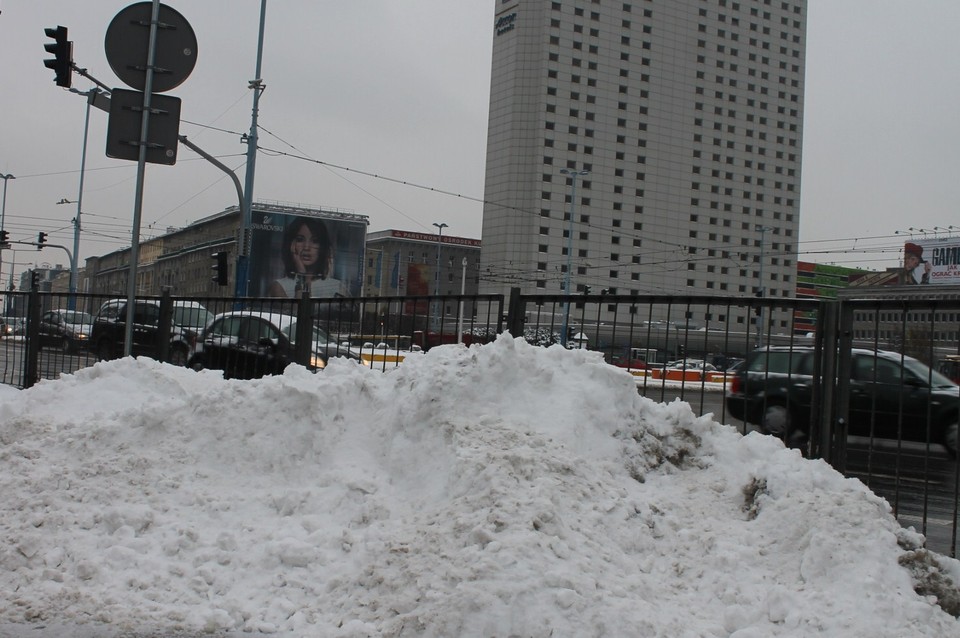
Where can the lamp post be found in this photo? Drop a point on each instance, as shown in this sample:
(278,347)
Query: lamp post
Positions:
(436,290)
(463,290)
(761,290)
(3,215)
(91,95)
(3,209)
(71,302)
(566,285)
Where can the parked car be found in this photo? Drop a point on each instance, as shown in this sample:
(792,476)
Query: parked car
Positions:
(691,364)
(247,344)
(16,326)
(891,396)
(68,330)
(109,329)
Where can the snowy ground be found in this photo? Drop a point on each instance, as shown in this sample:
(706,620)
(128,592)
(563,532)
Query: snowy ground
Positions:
(501,490)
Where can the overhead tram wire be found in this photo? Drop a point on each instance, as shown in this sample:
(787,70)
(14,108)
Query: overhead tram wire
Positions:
(685,258)
(733,248)
(354,184)
(431,189)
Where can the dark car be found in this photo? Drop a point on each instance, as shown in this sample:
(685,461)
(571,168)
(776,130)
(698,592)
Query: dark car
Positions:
(247,344)
(891,396)
(109,329)
(68,330)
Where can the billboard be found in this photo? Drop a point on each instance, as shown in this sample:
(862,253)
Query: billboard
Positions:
(931,261)
(290,251)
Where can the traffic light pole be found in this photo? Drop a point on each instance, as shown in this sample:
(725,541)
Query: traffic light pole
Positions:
(44,244)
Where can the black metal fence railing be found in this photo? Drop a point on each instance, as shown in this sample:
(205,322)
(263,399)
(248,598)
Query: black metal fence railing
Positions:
(841,403)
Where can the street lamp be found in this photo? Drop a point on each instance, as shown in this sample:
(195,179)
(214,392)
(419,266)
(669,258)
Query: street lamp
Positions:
(566,285)
(76,243)
(91,96)
(3,214)
(3,209)
(463,290)
(761,289)
(440,228)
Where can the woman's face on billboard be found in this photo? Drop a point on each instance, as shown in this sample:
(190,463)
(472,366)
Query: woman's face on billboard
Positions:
(305,247)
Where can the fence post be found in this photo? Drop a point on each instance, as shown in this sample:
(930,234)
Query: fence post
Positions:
(31,368)
(832,389)
(515,313)
(842,377)
(166,321)
(304,332)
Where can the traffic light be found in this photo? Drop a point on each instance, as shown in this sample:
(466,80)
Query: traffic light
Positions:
(62,50)
(41,239)
(34,279)
(4,237)
(220,268)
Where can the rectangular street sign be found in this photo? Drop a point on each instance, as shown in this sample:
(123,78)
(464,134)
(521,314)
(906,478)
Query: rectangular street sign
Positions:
(123,128)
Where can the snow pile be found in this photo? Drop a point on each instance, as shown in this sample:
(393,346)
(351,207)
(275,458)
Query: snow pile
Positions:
(498,490)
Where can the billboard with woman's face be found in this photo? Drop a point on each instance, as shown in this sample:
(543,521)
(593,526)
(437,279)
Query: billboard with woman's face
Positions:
(290,253)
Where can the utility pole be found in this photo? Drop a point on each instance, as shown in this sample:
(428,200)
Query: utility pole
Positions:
(246,209)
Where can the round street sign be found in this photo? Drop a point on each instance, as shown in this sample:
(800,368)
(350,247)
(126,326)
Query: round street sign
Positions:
(128,40)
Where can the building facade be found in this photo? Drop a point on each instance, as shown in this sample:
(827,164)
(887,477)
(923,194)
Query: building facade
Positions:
(181,260)
(402,263)
(645,146)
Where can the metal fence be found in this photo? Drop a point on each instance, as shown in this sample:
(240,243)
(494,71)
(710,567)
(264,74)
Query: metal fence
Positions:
(675,346)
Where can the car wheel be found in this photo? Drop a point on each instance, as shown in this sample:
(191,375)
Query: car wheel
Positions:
(951,437)
(66,344)
(776,419)
(178,356)
(105,350)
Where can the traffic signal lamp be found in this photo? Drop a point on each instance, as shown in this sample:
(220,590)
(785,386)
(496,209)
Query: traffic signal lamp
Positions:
(220,268)
(4,237)
(41,239)
(62,50)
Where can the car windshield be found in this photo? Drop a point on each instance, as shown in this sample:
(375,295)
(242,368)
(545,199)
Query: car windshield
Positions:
(71,316)
(191,316)
(319,334)
(925,374)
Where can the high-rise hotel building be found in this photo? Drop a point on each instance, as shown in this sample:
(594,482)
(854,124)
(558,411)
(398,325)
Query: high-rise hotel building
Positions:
(670,130)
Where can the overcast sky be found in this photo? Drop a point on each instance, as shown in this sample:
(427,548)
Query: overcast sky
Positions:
(400,90)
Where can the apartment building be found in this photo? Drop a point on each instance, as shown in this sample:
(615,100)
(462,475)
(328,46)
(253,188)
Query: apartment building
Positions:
(646,147)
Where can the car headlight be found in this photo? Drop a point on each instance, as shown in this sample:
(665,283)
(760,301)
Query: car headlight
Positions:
(317,361)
